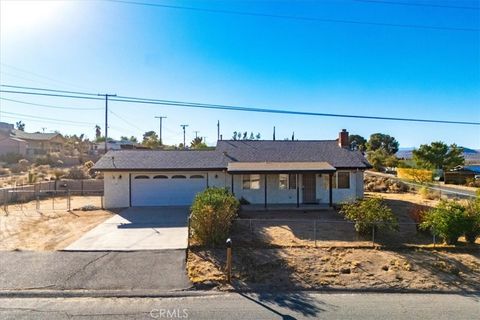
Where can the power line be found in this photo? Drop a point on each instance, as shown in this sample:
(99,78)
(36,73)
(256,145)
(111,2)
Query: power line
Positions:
(248,109)
(46,118)
(415,4)
(300,18)
(52,122)
(48,90)
(125,120)
(51,95)
(64,83)
(49,106)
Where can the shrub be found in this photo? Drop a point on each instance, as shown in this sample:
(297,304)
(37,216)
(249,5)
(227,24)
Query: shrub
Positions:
(23,164)
(77,174)
(4,171)
(426,193)
(212,214)
(58,173)
(32,177)
(447,220)
(369,213)
(416,175)
(417,213)
(472,213)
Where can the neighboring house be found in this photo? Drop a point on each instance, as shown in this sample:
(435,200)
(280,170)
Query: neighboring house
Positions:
(99,147)
(39,143)
(461,174)
(261,172)
(12,145)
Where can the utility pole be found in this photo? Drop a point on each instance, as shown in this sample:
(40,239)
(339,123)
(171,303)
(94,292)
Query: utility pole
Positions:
(196,134)
(184,126)
(160,136)
(43,129)
(274,133)
(218,130)
(106,95)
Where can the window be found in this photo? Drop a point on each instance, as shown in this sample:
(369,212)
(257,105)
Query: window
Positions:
(343,180)
(292,180)
(142,177)
(179,176)
(196,176)
(160,177)
(251,181)
(283,181)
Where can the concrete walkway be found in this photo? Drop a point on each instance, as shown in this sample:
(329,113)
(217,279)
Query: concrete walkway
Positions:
(139,228)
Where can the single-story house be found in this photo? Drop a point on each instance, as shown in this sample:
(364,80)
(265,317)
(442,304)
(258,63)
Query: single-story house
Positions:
(461,174)
(259,172)
(39,143)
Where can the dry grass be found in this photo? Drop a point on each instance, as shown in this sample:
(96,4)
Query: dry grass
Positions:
(25,228)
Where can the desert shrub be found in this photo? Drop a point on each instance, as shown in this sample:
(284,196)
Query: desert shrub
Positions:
(11,158)
(383,184)
(448,220)
(32,177)
(58,174)
(416,175)
(77,173)
(88,165)
(472,212)
(4,171)
(426,193)
(212,214)
(15,168)
(24,164)
(369,213)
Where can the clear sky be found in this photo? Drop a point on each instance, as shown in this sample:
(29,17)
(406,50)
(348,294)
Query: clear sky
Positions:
(252,61)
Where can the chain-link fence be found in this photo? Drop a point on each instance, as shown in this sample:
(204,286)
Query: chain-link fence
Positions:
(325,233)
(50,200)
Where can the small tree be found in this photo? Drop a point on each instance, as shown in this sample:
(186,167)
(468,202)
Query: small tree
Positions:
(447,220)
(20,126)
(384,142)
(438,155)
(357,142)
(212,214)
(369,213)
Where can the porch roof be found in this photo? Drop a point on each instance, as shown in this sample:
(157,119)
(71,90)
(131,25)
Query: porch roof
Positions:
(266,167)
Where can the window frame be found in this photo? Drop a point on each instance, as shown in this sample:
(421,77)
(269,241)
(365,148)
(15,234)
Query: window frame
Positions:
(338,180)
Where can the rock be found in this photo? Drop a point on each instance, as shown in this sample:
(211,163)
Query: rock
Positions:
(345,270)
(385,268)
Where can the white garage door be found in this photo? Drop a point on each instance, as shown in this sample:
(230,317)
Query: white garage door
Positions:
(166,190)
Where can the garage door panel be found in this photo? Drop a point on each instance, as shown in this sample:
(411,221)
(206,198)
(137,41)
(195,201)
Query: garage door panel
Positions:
(161,192)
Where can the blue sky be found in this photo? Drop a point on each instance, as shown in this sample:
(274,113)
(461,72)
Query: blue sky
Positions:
(165,53)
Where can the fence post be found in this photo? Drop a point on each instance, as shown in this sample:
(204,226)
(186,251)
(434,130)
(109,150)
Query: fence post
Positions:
(229,260)
(315,232)
(373,235)
(53,200)
(5,201)
(68,200)
(37,202)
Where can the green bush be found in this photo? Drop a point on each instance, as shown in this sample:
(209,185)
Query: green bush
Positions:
(369,213)
(448,220)
(212,214)
(472,212)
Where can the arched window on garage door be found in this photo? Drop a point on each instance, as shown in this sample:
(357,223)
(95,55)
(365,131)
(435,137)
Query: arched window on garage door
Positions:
(197,176)
(142,177)
(160,177)
(179,176)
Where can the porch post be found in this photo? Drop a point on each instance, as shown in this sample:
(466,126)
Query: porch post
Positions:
(298,190)
(265,181)
(232,184)
(330,191)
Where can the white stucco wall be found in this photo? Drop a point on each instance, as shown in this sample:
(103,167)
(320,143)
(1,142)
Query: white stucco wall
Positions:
(117,194)
(116,189)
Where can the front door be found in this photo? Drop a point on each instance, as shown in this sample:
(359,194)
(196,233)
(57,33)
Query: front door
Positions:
(309,188)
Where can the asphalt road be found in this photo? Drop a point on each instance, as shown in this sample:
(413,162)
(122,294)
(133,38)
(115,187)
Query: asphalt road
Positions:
(238,306)
(162,270)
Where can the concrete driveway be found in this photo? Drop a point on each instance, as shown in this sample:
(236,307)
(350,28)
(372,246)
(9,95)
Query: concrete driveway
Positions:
(139,228)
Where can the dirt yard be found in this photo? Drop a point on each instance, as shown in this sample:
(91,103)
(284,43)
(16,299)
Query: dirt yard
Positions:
(51,227)
(337,268)
(282,254)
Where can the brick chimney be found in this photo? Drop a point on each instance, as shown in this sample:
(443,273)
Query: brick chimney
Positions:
(343,139)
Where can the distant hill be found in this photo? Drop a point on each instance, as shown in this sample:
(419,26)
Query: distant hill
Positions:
(472,156)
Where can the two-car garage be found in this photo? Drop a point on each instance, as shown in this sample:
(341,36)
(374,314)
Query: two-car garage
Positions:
(165,189)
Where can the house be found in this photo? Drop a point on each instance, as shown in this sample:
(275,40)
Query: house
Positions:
(260,172)
(28,144)
(462,174)
(39,143)
(99,147)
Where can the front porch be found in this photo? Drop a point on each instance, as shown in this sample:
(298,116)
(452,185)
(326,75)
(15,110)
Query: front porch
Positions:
(282,185)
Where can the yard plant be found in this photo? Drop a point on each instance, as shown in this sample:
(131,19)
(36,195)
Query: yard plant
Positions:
(212,214)
(448,220)
(369,213)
